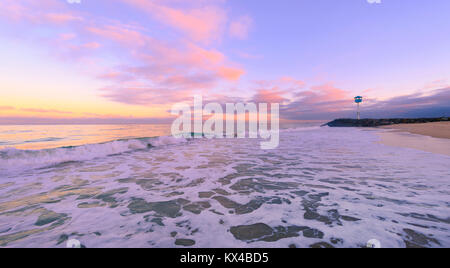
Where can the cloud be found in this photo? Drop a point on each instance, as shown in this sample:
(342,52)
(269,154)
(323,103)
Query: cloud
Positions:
(434,103)
(144,64)
(35,110)
(91,45)
(145,95)
(269,96)
(203,22)
(162,67)
(328,102)
(38,12)
(230,73)
(60,18)
(121,34)
(4,108)
(35,120)
(240,28)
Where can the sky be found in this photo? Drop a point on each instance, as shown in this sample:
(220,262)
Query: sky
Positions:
(129,61)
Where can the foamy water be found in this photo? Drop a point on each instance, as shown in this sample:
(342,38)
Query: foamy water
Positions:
(322,187)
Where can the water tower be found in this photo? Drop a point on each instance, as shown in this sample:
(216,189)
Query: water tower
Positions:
(358,100)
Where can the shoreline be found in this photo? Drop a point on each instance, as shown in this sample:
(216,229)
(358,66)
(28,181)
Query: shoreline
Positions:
(429,137)
(439,130)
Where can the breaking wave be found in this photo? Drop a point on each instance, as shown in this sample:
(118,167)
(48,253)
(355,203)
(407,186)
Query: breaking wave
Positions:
(15,159)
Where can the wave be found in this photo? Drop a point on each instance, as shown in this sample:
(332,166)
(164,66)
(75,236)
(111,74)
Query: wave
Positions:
(12,159)
(44,140)
(15,131)
(15,159)
(297,129)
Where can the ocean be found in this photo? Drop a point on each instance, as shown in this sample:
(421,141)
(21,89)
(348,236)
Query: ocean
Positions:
(135,186)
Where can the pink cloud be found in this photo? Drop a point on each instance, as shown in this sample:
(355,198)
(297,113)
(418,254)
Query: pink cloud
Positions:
(441,83)
(230,73)
(61,17)
(120,34)
(144,95)
(91,45)
(163,67)
(43,11)
(34,110)
(269,96)
(148,68)
(287,80)
(115,76)
(328,92)
(13,10)
(240,28)
(204,23)
(67,36)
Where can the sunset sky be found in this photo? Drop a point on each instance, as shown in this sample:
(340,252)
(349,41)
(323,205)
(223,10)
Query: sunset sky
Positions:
(128,61)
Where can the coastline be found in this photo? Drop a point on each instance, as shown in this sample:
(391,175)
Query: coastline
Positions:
(436,129)
(428,137)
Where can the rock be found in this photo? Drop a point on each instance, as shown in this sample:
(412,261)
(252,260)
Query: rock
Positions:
(169,209)
(336,241)
(239,209)
(221,191)
(174,194)
(250,232)
(381,122)
(300,193)
(261,185)
(263,232)
(251,206)
(185,242)
(348,218)
(281,232)
(158,221)
(89,205)
(107,196)
(62,238)
(312,233)
(197,207)
(321,245)
(205,194)
(49,217)
(418,240)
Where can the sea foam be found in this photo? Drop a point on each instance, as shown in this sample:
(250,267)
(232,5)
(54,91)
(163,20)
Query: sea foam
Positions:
(12,159)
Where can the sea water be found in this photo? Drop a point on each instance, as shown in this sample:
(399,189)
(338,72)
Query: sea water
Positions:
(322,187)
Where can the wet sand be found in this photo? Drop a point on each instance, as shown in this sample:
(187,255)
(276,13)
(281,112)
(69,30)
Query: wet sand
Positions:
(437,129)
(428,137)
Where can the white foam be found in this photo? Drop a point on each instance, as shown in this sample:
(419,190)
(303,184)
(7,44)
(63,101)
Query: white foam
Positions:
(12,159)
(388,189)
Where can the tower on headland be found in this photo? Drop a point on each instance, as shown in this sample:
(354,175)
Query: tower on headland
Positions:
(358,100)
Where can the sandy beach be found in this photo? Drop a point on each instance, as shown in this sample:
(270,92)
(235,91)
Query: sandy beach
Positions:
(436,130)
(428,137)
